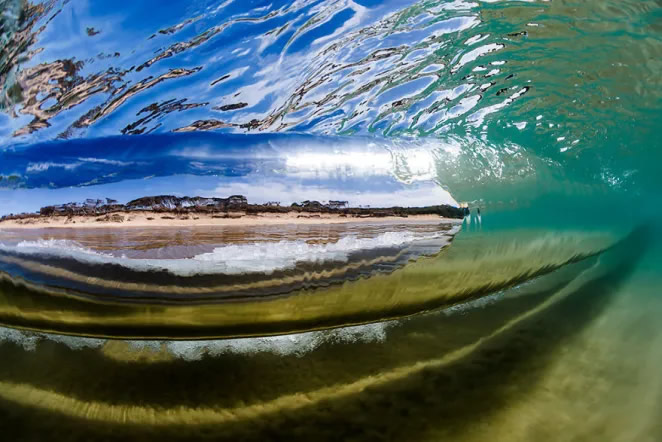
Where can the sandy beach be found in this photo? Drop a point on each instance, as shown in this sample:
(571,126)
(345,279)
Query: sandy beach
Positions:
(166,219)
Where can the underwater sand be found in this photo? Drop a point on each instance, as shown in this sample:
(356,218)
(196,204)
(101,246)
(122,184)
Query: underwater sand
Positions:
(515,366)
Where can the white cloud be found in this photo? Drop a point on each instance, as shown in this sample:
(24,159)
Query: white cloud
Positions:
(106,161)
(422,194)
(42,167)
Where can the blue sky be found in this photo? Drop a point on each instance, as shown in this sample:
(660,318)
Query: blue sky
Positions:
(375,191)
(285,168)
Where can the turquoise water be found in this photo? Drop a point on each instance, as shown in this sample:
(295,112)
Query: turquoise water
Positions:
(539,323)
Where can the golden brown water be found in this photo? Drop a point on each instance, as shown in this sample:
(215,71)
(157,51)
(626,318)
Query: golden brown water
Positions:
(97,299)
(514,366)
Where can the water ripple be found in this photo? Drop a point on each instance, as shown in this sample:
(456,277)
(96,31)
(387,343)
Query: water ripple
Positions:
(559,73)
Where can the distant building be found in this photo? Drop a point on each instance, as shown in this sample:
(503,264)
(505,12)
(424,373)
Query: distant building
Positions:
(338,204)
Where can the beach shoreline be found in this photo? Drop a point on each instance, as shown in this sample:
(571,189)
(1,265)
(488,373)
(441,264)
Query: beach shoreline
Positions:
(145,219)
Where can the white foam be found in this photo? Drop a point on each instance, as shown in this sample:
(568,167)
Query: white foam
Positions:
(29,340)
(481,302)
(263,257)
(295,344)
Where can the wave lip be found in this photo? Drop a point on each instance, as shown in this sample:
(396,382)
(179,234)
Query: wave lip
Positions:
(476,266)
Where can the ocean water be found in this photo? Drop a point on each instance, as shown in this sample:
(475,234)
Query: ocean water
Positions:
(535,318)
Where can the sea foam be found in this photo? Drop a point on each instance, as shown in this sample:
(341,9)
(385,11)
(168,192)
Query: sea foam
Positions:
(255,257)
(293,344)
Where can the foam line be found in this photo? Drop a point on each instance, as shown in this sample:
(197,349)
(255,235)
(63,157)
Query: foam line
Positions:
(232,259)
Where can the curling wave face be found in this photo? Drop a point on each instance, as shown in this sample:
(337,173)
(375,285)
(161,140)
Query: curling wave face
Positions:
(74,300)
(374,103)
